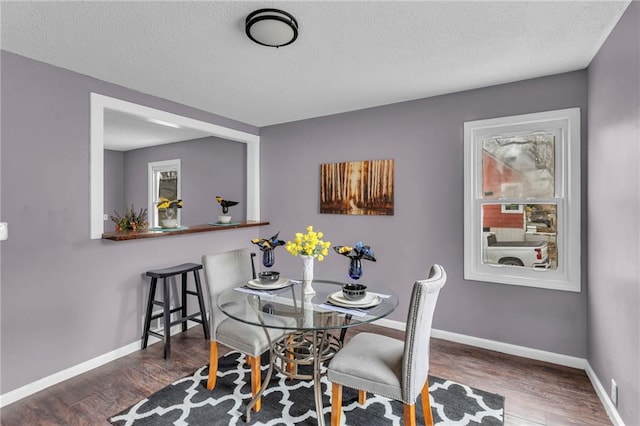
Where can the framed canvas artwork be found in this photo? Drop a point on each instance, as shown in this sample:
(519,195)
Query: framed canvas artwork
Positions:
(357,187)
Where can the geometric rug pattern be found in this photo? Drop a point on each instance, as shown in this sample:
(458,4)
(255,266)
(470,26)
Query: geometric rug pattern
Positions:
(290,402)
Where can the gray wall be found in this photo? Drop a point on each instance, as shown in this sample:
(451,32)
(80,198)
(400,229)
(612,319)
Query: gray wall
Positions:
(614,203)
(66,298)
(425,137)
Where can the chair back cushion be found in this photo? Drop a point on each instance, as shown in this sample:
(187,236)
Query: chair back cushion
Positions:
(223,271)
(415,362)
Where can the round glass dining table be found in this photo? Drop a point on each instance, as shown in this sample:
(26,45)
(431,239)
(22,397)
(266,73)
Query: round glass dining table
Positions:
(316,323)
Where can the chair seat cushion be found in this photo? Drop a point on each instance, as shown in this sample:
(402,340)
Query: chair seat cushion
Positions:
(250,339)
(370,362)
(246,338)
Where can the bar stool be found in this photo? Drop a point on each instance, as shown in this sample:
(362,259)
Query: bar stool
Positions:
(165,273)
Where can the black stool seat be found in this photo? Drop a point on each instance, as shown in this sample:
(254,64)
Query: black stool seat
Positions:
(174,270)
(199,317)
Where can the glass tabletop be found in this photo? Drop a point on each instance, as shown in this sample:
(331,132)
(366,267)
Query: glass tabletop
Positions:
(288,308)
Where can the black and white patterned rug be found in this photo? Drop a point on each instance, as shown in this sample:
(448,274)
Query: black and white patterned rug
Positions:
(291,402)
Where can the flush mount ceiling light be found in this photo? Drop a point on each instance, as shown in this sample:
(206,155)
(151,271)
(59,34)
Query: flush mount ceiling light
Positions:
(271,27)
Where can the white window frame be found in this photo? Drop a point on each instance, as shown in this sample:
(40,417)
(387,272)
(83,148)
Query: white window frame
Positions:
(565,124)
(153,188)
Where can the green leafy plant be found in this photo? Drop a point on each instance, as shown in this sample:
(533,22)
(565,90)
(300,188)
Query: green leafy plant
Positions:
(130,220)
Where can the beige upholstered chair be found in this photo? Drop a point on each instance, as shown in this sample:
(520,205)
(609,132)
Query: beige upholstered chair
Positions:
(390,367)
(222,272)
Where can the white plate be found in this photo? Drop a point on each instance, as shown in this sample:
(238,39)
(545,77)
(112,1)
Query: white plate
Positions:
(282,282)
(369,300)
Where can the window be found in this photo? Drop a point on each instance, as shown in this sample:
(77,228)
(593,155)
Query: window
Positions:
(164,181)
(522,200)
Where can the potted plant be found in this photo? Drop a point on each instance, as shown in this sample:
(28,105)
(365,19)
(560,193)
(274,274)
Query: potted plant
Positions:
(130,220)
(225,204)
(169,208)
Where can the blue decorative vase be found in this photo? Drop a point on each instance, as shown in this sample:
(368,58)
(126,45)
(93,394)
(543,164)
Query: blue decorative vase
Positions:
(355,268)
(268,257)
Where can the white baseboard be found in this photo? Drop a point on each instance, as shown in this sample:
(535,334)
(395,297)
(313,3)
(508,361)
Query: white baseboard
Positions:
(61,376)
(551,357)
(396,325)
(609,406)
(568,361)
(38,385)
(554,358)
(507,348)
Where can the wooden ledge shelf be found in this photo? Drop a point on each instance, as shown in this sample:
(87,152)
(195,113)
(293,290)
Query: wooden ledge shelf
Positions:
(192,229)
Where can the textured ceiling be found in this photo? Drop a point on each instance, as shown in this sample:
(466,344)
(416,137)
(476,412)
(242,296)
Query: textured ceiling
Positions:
(348,56)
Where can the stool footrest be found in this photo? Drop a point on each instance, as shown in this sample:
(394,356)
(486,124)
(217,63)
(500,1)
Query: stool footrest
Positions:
(187,318)
(158,335)
(160,314)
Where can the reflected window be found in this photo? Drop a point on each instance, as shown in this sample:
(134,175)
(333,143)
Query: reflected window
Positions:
(164,182)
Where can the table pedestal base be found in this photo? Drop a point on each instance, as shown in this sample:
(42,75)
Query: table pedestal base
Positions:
(298,349)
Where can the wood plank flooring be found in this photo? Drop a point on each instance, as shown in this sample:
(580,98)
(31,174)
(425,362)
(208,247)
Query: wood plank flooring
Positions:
(536,393)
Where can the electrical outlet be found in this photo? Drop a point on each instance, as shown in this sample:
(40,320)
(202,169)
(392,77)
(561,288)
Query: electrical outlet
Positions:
(614,392)
(4,231)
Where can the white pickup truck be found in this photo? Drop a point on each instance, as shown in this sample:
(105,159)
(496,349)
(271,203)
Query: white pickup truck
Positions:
(531,254)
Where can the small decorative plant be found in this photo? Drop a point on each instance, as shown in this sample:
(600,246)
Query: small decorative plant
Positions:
(165,203)
(225,204)
(130,220)
(309,244)
(168,207)
(359,251)
(266,247)
(356,254)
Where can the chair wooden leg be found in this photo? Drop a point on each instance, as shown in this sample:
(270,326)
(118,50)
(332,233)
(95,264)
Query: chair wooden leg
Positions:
(336,404)
(213,365)
(409,414)
(289,346)
(426,404)
(362,397)
(254,361)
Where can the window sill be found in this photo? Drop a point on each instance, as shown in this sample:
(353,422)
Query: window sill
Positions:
(193,229)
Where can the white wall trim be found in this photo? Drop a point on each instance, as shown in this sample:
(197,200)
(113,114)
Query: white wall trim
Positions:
(551,357)
(554,358)
(38,385)
(611,409)
(396,325)
(83,367)
(507,348)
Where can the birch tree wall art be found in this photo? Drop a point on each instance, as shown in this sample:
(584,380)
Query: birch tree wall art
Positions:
(357,187)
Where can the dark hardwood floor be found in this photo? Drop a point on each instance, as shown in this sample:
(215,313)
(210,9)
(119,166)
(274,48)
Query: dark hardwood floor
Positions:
(537,393)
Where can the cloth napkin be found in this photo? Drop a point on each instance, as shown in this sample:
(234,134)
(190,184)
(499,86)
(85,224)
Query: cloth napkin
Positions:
(253,291)
(354,312)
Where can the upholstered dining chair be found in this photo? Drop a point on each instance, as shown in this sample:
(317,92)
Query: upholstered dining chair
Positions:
(390,367)
(222,272)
